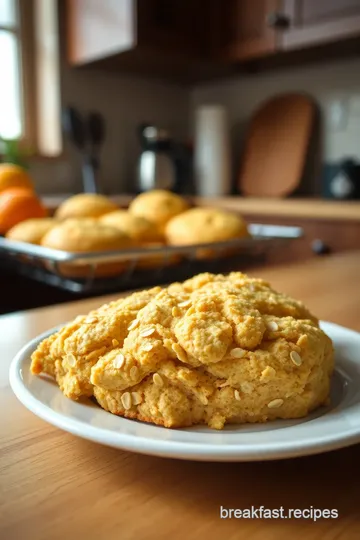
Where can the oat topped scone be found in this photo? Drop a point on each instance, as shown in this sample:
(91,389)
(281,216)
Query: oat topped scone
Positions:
(214,349)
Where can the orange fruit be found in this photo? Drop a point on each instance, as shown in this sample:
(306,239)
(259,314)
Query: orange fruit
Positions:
(18,204)
(13,176)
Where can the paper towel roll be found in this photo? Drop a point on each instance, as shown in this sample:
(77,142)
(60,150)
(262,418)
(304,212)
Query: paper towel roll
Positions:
(212,151)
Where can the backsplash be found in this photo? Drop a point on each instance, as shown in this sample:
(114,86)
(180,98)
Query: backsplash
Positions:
(124,102)
(334,86)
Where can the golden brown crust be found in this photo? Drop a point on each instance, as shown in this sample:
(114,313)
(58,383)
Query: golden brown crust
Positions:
(85,205)
(158,206)
(31,230)
(215,349)
(202,225)
(87,235)
(82,236)
(140,229)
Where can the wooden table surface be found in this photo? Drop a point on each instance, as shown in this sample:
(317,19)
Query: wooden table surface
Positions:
(56,486)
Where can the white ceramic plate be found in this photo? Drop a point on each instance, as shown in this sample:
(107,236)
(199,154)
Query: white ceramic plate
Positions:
(328,428)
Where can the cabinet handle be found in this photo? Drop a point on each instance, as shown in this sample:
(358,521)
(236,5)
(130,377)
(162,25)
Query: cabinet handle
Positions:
(319,247)
(278,21)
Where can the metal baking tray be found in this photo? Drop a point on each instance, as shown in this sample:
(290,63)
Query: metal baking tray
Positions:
(45,264)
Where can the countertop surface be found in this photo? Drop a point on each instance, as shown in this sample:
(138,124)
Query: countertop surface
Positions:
(297,208)
(294,208)
(56,486)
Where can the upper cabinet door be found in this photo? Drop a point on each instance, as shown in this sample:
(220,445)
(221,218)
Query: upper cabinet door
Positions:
(97,29)
(246,28)
(311,22)
(173,26)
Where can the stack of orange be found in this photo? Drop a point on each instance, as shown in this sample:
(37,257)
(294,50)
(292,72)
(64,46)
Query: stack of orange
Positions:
(18,201)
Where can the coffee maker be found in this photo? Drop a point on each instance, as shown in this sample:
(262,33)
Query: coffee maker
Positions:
(163,163)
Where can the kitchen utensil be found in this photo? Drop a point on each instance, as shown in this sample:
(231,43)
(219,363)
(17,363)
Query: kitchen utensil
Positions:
(73,126)
(91,165)
(163,163)
(276,146)
(87,134)
(212,152)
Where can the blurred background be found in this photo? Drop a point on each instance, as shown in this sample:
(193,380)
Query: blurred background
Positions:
(254,104)
(158,61)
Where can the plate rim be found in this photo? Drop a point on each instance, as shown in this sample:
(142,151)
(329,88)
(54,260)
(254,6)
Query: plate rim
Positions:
(198,451)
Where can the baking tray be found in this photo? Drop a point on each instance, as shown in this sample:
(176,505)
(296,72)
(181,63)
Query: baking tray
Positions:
(45,264)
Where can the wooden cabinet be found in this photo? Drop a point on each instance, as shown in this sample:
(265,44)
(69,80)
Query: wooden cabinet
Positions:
(309,22)
(245,29)
(265,28)
(99,29)
(167,38)
(196,40)
(179,26)
(320,238)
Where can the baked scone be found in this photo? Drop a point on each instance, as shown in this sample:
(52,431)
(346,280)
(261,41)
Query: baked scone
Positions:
(140,229)
(31,230)
(158,206)
(201,225)
(85,205)
(215,349)
(80,236)
(87,235)
(144,233)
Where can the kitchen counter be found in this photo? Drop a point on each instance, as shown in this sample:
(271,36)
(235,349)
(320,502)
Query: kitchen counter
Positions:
(56,486)
(294,208)
(301,208)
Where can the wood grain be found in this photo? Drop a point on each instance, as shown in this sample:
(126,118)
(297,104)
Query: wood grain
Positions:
(335,235)
(54,486)
(276,146)
(318,209)
(244,32)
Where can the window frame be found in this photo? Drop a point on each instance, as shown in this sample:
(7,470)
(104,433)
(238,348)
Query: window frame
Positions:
(28,38)
(27,68)
(16,31)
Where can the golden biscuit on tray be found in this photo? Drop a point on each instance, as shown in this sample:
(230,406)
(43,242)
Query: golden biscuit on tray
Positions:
(212,350)
(206,225)
(32,230)
(144,233)
(158,206)
(85,205)
(84,236)
(141,230)
(201,225)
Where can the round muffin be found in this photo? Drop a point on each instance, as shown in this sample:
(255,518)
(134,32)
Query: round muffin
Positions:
(82,236)
(140,229)
(31,230)
(213,350)
(81,221)
(85,205)
(158,206)
(144,233)
(200,225)
(86,235)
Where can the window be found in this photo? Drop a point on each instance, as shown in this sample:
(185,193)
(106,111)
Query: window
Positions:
(30,74)
(11,100)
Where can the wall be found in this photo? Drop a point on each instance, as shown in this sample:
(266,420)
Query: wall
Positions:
(330,84)
(125,102)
